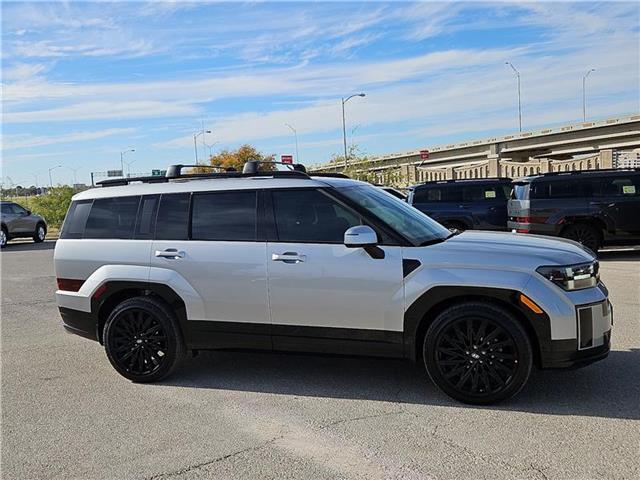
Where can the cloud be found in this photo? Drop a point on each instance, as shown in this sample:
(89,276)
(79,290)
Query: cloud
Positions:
(11,142)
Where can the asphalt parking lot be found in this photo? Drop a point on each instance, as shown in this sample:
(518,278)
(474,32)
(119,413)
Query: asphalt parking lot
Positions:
(67,414)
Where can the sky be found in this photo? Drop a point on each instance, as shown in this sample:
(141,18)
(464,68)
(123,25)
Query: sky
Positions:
(84,81)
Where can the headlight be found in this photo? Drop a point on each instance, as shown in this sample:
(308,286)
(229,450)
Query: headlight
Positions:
(572,277)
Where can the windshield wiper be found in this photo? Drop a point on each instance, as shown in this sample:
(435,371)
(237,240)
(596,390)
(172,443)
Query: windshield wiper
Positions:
(433,241)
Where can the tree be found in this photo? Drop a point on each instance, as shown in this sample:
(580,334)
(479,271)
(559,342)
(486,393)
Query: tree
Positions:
(237,158)
(354,169)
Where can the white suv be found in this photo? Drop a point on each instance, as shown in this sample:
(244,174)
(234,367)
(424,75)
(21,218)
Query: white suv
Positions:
(283,261)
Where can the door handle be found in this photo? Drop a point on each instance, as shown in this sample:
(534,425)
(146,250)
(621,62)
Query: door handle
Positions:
(169,253)
(288,257)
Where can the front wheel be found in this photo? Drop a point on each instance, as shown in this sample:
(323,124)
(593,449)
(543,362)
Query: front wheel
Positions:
(477,353)
(142,339)
(4,237)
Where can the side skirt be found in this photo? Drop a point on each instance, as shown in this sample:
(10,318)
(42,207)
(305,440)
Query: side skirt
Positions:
(210,335)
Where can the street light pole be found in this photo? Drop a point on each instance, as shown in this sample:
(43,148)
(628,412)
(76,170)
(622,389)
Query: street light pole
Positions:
(122,154)
(50,170)
(295,133)
(584,94)
(129,168)
(195,144)
(344,125)
(519,100)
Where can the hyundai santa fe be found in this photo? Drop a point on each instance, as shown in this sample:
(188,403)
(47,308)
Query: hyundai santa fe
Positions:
(286,261)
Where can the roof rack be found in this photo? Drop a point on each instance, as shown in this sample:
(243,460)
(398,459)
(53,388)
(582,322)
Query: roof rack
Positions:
(250,169)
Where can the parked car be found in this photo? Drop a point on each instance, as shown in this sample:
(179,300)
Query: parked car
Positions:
(19,222)
(595,208)
(394,191)
(283,261)
(473,204)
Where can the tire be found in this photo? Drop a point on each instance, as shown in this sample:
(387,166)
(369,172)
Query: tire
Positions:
(477,353)
(40,234)
(584,233)
(4,237)
(142,339)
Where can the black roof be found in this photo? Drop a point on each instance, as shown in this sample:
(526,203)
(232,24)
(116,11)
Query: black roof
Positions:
(463,180)
(561,176)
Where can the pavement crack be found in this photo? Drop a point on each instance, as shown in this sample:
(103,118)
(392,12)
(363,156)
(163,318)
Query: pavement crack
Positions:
(198,466)
(363,417)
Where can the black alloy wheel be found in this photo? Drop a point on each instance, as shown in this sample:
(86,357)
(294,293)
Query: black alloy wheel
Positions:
(585,234)
(478,353)
(142,339)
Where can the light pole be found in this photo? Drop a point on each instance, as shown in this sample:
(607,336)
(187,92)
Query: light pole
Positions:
(344,125)
(295,133)
(210,148)
(195,144)
(50,170)
(122,154)
(584,94)
(519,102)
(74,170)
(129,167)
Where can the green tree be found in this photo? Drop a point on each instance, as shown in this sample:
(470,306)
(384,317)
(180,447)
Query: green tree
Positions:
(354,168)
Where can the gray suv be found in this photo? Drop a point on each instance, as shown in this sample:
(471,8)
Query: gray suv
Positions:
(20,222)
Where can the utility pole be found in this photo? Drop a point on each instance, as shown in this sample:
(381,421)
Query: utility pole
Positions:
(122,154)
(195,143)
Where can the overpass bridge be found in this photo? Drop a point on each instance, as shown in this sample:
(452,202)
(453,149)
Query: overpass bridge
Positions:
(587,145)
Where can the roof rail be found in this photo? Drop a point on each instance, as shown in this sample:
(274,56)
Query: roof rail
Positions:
(253,166)
(174,172)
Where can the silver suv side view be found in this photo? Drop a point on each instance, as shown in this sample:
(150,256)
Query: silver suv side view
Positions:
(285,261)
(19,222)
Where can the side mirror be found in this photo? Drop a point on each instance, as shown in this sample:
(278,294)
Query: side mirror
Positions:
(363,236)
(28,212)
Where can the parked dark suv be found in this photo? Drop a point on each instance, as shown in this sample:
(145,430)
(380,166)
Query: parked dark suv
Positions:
(479,204)
(595,208)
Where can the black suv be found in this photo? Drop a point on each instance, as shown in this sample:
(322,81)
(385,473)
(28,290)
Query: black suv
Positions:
(479,204)
(595,208)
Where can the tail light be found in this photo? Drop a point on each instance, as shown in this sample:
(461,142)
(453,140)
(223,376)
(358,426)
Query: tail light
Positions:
(531,219)
(69,285)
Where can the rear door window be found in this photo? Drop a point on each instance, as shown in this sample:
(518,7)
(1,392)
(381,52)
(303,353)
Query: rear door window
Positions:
(230,216)
(112,218)
(619,187)
(561,188)
(76,219)
(172,222)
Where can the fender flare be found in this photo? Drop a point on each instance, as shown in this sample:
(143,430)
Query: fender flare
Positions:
(425,308)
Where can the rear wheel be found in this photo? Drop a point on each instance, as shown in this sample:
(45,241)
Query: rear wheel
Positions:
(477,353)
(40,234)
(142,339)
(583,233)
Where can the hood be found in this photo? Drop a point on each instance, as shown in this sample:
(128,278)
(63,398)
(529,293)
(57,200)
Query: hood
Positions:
(518,251)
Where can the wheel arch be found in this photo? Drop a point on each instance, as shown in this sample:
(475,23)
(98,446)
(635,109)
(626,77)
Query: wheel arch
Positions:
(595,222)
(117,292)
(419,316)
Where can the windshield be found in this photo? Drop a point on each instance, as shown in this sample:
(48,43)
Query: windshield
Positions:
(410,222)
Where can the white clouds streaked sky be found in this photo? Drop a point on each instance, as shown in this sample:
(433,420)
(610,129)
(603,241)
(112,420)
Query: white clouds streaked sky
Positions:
(84,80)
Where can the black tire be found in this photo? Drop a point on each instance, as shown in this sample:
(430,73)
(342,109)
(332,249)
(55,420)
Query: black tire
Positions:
(142,339)
(477,353)
(4,238)
(40,234)
(584,233)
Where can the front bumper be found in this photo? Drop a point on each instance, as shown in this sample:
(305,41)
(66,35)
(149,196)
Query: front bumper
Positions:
(564,354)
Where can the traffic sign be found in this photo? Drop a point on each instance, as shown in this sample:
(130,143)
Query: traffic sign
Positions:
(114,173)
(158,173)
(424,154)
(286,158)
